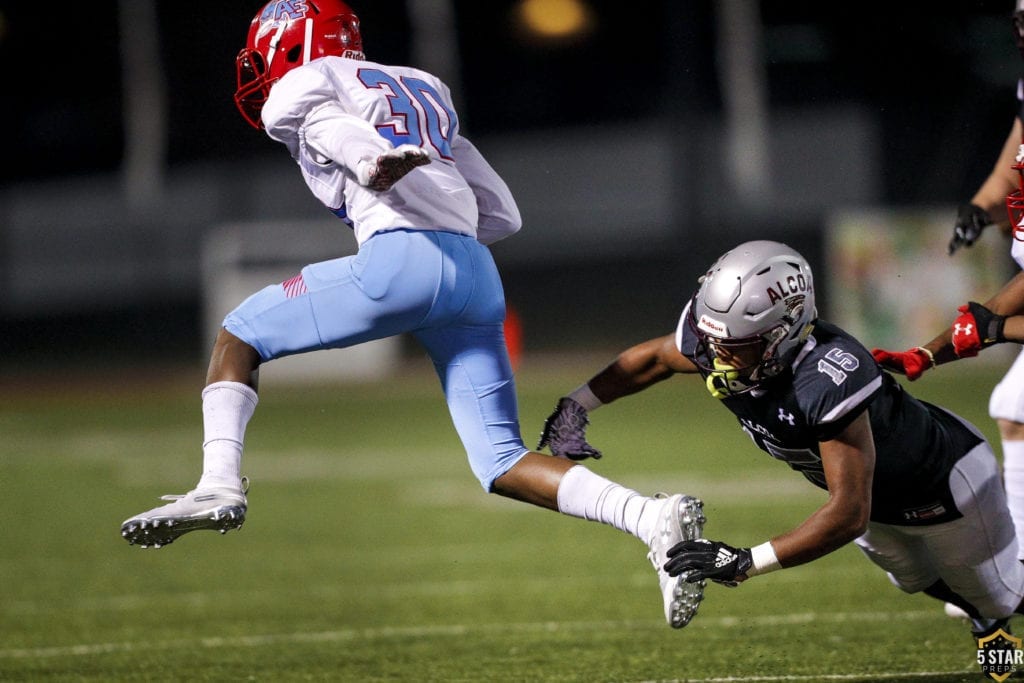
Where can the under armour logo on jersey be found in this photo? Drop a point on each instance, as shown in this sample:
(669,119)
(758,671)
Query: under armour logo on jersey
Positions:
(723,558)
(786,417)
(966,330)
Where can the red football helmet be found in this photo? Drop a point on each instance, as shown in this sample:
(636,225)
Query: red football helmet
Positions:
(286,34)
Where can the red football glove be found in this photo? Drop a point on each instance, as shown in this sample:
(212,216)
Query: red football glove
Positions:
(912,362)
(975,329)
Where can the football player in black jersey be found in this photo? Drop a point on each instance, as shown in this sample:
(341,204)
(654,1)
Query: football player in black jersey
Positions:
(916,487)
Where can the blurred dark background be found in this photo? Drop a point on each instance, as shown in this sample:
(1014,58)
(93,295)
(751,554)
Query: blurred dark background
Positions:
(640,144)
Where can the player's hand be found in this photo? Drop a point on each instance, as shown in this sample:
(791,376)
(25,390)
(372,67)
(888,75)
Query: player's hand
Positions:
(975,329)
(912,362)
(971,219)
(565,432)
(702,559)
(391,166)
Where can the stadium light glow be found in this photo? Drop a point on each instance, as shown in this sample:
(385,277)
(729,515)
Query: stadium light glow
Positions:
(555,20)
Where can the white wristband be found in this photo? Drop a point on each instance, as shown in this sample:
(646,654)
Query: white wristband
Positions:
(764,559)
(585,397)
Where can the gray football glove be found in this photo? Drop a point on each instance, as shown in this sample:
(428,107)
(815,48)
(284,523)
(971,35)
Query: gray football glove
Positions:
(565,432)
(971,219)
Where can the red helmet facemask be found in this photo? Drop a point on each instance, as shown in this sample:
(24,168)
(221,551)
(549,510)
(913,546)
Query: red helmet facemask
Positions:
(1015,200)
(286,34)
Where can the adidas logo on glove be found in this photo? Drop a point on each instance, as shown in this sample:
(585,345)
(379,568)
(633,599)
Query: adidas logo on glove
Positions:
(723,558)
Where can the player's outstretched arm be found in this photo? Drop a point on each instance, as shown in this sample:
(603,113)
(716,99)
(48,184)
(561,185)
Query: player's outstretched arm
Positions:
(635,369)
(912,362)
(848,462)
(986,206)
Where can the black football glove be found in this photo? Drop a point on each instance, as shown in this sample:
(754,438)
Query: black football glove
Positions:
(703,559)
(971,219)
(565,432)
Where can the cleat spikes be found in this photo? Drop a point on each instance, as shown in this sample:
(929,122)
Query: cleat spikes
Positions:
(681,518)
(215,509)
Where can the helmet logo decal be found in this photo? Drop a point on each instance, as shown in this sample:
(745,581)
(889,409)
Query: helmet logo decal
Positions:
(280,13)
(794,284)
(711,326)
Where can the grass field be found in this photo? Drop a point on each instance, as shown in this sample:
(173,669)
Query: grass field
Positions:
(371,554)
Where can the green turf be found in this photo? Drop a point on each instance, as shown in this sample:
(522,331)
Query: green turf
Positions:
(372,554)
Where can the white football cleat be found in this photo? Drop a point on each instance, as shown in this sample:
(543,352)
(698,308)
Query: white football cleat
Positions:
(391,166)
(215,508)
(681,519)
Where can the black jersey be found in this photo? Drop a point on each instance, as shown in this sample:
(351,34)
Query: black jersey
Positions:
(833,380)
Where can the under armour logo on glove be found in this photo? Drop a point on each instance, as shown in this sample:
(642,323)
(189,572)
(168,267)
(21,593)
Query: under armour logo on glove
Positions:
(962,330)
(975,329)
(701,559)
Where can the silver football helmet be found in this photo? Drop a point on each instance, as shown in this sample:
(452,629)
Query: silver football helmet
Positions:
(761,295)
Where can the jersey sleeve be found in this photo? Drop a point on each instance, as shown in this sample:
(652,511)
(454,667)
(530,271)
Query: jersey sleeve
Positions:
(304,108)
(299,92)
(686,340)
(499,214)
(835,383)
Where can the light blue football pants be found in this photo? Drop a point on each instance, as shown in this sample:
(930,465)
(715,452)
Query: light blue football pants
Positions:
(441,287)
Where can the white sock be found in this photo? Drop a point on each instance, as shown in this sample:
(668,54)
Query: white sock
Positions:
(581,493)
(227,408)
(1013,479)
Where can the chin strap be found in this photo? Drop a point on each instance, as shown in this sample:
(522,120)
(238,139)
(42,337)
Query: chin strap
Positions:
(725,381)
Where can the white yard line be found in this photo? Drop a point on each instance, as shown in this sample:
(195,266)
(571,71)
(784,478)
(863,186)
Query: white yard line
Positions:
(459,630)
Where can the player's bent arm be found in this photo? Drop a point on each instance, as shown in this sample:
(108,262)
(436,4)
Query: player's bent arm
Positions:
(499,214)
(639,367)
(1009,300)
(1003,179)
(337,136)
(941,347)
(1014,329)
(849,463)
(1007,303)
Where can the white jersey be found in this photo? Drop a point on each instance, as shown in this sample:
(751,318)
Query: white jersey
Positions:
(336,112)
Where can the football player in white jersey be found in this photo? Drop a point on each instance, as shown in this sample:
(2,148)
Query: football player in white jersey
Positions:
(981,325)
(381,147)
(914,486)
